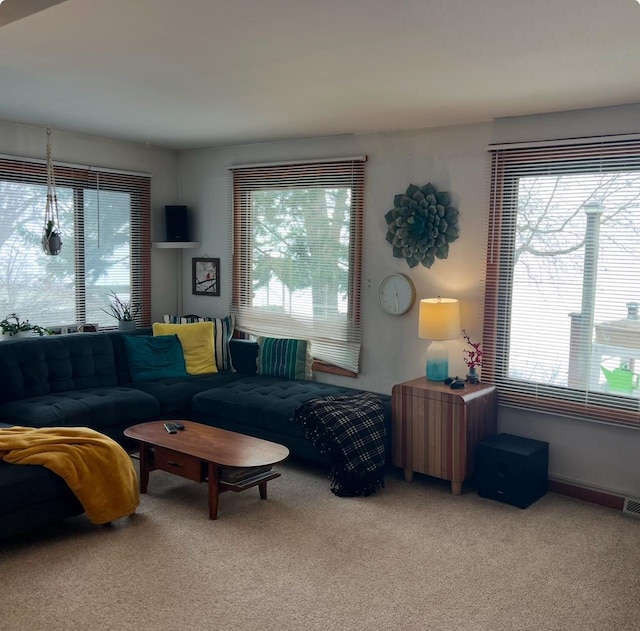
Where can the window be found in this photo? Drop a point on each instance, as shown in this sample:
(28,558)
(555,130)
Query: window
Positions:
(562,332)
(296,260)
(105,224)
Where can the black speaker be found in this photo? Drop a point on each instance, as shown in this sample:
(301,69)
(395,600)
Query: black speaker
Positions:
(177,223)
(512,469)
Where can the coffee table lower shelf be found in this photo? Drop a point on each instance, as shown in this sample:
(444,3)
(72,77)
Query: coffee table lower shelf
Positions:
(259,480)
(154,458)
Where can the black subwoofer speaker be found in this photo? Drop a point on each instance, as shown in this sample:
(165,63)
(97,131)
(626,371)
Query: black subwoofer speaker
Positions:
(177,223)
(512,469)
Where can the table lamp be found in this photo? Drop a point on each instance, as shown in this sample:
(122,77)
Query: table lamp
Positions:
(439,320)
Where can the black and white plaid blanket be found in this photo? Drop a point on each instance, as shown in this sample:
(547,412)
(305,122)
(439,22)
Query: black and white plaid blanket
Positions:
(350,429)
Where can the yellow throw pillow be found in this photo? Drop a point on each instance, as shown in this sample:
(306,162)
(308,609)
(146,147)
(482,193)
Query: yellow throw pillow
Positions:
(197,345)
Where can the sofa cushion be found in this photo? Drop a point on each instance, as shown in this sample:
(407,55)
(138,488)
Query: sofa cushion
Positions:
(154,357)
(27,485)
(97,408)
(197,344)
(38,366)
(281,357)
(264,402)
(174,395)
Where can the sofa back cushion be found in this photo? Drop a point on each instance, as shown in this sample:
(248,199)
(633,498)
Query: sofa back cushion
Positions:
(45,365)
(244,354)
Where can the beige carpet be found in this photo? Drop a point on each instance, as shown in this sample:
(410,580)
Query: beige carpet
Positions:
(411,557)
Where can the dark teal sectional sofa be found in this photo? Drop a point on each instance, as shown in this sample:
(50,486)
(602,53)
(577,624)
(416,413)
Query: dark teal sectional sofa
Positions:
(83,379)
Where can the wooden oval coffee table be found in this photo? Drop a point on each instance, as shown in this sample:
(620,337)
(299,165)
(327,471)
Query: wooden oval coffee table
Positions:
(228,461)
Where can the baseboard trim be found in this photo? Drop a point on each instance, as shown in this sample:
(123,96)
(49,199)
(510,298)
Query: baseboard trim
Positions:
(588,495)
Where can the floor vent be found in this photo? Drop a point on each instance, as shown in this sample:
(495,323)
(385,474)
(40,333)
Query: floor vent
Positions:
(631,507)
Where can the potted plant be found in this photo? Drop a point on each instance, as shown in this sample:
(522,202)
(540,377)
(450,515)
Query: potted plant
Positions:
(51,240)
(12,326)
(472,358)
(124,311)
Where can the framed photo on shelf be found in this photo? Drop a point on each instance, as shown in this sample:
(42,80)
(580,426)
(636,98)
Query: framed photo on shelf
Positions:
(206,277)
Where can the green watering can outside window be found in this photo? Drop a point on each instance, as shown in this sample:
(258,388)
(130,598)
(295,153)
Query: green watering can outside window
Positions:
(620,379)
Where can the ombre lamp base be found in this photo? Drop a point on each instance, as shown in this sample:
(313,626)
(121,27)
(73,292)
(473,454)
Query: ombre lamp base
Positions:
(437,362)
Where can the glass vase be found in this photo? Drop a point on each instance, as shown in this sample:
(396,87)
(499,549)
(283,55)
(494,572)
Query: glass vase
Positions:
(472,376)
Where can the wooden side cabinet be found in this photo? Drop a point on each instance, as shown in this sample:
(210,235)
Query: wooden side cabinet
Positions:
(436,429)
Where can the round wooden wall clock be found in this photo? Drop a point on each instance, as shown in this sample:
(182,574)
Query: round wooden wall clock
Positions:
(396,294)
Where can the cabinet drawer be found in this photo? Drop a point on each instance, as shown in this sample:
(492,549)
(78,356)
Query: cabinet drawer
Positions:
(178,463)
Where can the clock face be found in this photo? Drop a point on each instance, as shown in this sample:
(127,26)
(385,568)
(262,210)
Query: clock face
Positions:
(396,294)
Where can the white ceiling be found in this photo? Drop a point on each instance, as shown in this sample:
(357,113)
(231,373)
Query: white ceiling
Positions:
(190,73)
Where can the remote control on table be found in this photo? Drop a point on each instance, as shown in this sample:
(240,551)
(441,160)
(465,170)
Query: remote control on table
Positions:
(170,427)
(178,425)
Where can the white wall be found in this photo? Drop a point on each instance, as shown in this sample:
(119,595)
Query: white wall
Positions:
(453,159)
(31,142)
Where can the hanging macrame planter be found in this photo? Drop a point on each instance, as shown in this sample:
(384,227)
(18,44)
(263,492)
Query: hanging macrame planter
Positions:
(51,237)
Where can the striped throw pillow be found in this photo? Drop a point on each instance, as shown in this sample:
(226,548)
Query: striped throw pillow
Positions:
(283,357)
(222,332)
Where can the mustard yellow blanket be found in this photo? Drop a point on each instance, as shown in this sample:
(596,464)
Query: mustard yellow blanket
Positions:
(95,467)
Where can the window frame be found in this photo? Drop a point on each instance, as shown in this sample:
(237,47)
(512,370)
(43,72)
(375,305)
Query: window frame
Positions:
(80,179)
(329,174)
(508,164)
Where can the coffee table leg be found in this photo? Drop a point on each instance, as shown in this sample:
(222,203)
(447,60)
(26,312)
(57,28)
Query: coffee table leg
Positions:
(213,490)
(263,490)
(144,467)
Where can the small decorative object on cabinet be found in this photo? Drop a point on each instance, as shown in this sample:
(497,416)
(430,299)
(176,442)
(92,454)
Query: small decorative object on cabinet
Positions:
(472,375)
(472,358)
(435,430)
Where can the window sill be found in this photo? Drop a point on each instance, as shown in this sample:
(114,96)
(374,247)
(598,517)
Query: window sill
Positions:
(320,366)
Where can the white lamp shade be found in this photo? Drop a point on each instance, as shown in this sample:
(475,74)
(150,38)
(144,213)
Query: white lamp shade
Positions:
(439,319)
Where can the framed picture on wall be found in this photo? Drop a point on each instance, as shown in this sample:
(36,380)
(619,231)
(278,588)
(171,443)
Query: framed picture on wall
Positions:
(206,277)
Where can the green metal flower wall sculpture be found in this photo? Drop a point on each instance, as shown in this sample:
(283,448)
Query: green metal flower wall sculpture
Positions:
(421,225)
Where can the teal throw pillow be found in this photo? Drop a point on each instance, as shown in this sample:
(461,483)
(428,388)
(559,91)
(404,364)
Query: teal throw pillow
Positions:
(283,357)
(158,357)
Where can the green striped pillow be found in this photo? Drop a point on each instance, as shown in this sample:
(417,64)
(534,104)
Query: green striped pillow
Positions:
(283,357)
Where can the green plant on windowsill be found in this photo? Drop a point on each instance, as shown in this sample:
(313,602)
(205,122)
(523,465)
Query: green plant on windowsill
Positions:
(121,310)
(12,326)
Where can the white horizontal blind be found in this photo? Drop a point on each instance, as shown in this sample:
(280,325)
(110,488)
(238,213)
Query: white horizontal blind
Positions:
(297,251)
(105,225)
(562,332)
